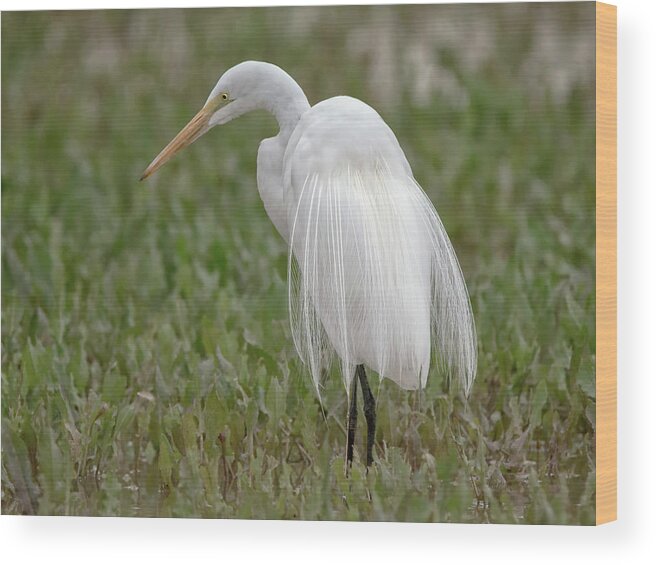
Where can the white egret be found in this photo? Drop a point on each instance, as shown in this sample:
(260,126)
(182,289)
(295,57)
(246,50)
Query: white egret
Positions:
(372,274)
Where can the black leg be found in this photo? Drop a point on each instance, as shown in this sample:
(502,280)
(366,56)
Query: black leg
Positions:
(369,413)
(351,422)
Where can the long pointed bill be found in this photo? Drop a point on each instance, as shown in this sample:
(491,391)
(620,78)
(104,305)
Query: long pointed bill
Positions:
(198,125)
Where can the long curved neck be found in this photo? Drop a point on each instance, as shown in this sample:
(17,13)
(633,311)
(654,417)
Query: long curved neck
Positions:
(288,103)
(289,115)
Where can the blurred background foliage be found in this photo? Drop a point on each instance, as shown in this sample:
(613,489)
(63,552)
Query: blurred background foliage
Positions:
(147,362)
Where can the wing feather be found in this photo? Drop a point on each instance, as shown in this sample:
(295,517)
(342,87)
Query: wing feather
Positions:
(373,275)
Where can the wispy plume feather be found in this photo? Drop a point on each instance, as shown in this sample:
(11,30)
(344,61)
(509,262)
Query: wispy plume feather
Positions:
(373,277)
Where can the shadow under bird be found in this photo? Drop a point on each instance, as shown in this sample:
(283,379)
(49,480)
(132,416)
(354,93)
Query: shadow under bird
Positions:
(373,277)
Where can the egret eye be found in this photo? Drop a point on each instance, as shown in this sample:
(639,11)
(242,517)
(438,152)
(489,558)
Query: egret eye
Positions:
(224,96)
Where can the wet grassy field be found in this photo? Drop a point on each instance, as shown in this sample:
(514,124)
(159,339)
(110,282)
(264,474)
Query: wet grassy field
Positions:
(147,362)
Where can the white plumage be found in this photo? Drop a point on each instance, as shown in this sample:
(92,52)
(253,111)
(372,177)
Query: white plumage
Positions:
(372,274)
(372,271)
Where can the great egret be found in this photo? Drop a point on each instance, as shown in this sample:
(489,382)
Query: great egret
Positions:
(372,274)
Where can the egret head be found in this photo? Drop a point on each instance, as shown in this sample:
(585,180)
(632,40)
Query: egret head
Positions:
(247,86)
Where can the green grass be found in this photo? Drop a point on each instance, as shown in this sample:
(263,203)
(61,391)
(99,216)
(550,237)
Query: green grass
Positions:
(147,362)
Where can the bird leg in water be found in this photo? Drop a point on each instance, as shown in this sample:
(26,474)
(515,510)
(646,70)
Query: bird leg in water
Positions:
(351,423)
(369,412)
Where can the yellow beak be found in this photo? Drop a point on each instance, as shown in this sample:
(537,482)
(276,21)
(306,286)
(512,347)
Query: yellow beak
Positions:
(198,125)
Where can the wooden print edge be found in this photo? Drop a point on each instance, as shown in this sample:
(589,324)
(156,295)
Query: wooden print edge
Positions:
(606,262)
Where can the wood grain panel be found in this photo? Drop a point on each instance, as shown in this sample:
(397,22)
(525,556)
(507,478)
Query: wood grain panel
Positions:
(606,262)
